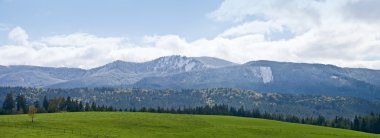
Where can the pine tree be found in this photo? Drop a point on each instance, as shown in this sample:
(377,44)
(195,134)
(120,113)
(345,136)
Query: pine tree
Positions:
(80,106)
(21,104)
(45,103)
(18,103)
(8,104)
(87,107)
(93,107)
(36,104)
(321,120)
(68,104)
(356,125)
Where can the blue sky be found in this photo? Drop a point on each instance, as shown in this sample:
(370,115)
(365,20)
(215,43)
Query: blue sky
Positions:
(90,33)
(132,18)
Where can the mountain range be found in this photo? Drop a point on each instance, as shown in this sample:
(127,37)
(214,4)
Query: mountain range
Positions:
(180,72)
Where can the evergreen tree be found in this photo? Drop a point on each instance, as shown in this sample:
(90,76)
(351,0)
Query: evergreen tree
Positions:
(87,107)
(36,104)
(21,104)
(356,125)
(45,104)
(68,104)
(80,108)
(321,120)
(93,107)
(8,104)
(18,103)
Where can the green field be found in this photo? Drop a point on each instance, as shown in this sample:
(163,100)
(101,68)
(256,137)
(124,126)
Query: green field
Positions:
(125,124)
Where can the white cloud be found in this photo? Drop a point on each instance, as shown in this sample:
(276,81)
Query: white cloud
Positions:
(18,35)
(366,10)
(296,14)
(335,32)
(254,27)
(331,32)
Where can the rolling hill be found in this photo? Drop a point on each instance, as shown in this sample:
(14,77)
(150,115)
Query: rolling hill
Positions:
(125,124)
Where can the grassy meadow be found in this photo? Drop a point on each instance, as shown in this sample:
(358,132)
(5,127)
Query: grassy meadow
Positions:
(139,125)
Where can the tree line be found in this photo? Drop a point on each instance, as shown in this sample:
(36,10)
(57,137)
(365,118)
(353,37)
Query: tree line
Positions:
(19,105)
(370,123)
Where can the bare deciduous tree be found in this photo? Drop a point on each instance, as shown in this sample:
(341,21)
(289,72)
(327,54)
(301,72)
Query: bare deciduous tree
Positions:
(32,112)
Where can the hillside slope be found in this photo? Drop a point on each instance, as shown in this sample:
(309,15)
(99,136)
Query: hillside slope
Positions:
(283,77)
(205,72)
(291,104)
(118,124)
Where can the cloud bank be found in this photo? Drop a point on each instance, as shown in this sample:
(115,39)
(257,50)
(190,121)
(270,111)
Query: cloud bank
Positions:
(340,32)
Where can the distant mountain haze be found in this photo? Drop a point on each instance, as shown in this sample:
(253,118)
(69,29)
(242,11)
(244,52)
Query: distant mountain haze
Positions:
(180,72)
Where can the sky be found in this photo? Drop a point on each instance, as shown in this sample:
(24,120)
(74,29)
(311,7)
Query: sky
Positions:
(91,33)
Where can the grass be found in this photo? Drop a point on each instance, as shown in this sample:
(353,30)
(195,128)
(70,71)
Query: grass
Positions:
(126,124)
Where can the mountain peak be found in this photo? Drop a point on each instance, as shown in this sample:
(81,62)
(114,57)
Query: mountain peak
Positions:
(176,63)
(171,58)
(118,61)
